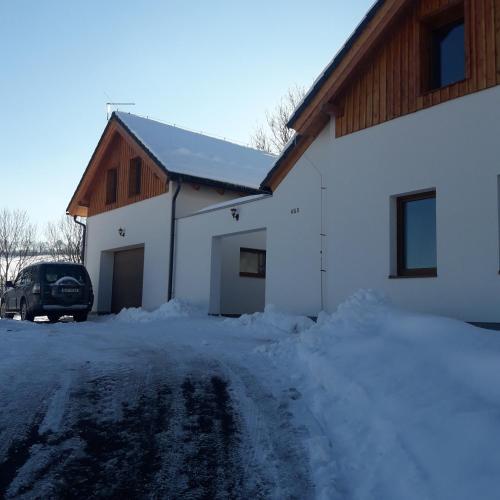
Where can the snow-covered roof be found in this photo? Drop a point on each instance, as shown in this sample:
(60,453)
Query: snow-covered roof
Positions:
(197,155)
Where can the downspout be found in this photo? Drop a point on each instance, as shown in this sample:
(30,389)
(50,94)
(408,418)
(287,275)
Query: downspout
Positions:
(84,238)
(172,240)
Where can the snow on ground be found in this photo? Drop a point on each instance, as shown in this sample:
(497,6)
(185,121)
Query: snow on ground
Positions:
(371,402)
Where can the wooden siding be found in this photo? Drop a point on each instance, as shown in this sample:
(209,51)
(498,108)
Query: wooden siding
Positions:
(390,84)
(118,155)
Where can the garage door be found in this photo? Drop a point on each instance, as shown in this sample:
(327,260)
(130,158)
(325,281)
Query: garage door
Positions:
(127,279)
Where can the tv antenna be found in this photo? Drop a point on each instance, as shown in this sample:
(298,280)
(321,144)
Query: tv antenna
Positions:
(109,104)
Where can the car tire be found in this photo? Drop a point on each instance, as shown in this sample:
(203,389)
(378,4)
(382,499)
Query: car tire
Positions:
(53,318)
(26,314)
(80,317)
(3,313)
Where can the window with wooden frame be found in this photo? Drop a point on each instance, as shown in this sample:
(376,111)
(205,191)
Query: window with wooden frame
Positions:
(498,201)
(252,263)
(443,48)
(135,177)
(416,235)
(111,186)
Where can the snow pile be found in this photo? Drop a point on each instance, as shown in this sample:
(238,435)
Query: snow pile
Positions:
(273,318)
(409,404)
(173,309)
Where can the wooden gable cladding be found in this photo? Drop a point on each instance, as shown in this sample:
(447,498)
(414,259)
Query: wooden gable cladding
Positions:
(115,150)
(389,84)
(118,156)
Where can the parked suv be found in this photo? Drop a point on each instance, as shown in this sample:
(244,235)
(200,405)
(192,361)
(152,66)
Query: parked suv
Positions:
(49,289)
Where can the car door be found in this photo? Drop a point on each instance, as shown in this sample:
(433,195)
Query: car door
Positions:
(24,288)
(12,294)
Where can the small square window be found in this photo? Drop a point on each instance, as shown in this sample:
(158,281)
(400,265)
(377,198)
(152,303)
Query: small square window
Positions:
(444,49)
(135,177)
(111,186)
(252,263)
(416,235)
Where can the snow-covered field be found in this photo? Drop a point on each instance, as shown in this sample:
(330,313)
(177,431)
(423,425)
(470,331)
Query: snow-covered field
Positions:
(369,403)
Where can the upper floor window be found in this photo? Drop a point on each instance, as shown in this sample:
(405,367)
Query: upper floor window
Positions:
(444,48)
(111,186)
(135,177)
(416,235)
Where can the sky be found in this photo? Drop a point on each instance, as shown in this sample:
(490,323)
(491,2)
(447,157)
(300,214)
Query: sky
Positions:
(214,67)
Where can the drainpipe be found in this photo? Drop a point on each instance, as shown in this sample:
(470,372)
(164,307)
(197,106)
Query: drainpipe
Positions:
(84,238)
(172,240)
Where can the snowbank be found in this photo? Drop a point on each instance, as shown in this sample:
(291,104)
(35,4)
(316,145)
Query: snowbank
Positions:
(274,319)
(410,404)
(173,309)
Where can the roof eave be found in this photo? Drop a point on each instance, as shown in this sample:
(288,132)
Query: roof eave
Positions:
(333,65)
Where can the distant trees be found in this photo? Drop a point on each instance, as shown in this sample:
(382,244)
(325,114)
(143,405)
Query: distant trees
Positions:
(64,240)
(274,135)
(20,246)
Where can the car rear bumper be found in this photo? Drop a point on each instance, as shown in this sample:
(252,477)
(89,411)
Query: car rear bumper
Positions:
(73,307)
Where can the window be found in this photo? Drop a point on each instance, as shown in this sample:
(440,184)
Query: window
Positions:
(498,201)
(444,49)
(134,177)
(111,186)
(252,263)
(416,235)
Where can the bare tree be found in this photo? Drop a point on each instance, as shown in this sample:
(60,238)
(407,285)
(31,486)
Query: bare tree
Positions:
(64,240)
(275,135)
(17,243)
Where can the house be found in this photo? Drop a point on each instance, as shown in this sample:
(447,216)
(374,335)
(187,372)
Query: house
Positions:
(391,181)
(142,176)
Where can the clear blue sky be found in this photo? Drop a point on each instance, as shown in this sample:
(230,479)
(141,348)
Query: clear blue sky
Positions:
(211,66)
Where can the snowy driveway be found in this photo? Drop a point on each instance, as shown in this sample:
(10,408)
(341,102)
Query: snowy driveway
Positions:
(120,410)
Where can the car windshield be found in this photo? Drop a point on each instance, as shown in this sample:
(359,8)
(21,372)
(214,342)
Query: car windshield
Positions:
(52,274)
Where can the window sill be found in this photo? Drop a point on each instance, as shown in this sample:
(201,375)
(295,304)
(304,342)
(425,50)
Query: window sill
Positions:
(416,276)
(250,275)
(429,92)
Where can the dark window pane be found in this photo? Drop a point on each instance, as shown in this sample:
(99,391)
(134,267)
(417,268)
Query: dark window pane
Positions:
(449,55)
(135,177)
(420,234)
(111,186)
(252,262)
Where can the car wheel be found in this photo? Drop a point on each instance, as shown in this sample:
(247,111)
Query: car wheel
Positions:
(80,317)
(26,314)
(53,318)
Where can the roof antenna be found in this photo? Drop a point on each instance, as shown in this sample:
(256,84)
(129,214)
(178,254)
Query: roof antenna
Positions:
(109,104)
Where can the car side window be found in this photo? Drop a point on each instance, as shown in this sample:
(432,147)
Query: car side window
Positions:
(27,277)
(19,279)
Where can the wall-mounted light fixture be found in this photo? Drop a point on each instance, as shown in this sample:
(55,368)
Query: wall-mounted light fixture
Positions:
(235,212)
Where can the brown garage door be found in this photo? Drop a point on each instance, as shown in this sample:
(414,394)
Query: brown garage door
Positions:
(127,279)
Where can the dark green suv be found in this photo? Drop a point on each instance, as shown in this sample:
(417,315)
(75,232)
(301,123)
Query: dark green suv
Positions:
(49,289)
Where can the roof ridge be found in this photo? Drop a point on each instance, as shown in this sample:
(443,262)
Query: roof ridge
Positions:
(198,132)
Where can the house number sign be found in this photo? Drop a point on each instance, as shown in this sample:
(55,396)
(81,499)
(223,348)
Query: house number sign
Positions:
(294,211)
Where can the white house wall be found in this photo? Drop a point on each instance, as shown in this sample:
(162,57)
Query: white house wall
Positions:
(191,200)
(146,223)
(453,148)
(293,224)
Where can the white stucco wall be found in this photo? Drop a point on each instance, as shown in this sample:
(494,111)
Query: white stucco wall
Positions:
(293,281)
(191,200)
(146,223)
(453,148)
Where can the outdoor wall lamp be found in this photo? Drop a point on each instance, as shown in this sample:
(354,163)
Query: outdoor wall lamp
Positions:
(235,213)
